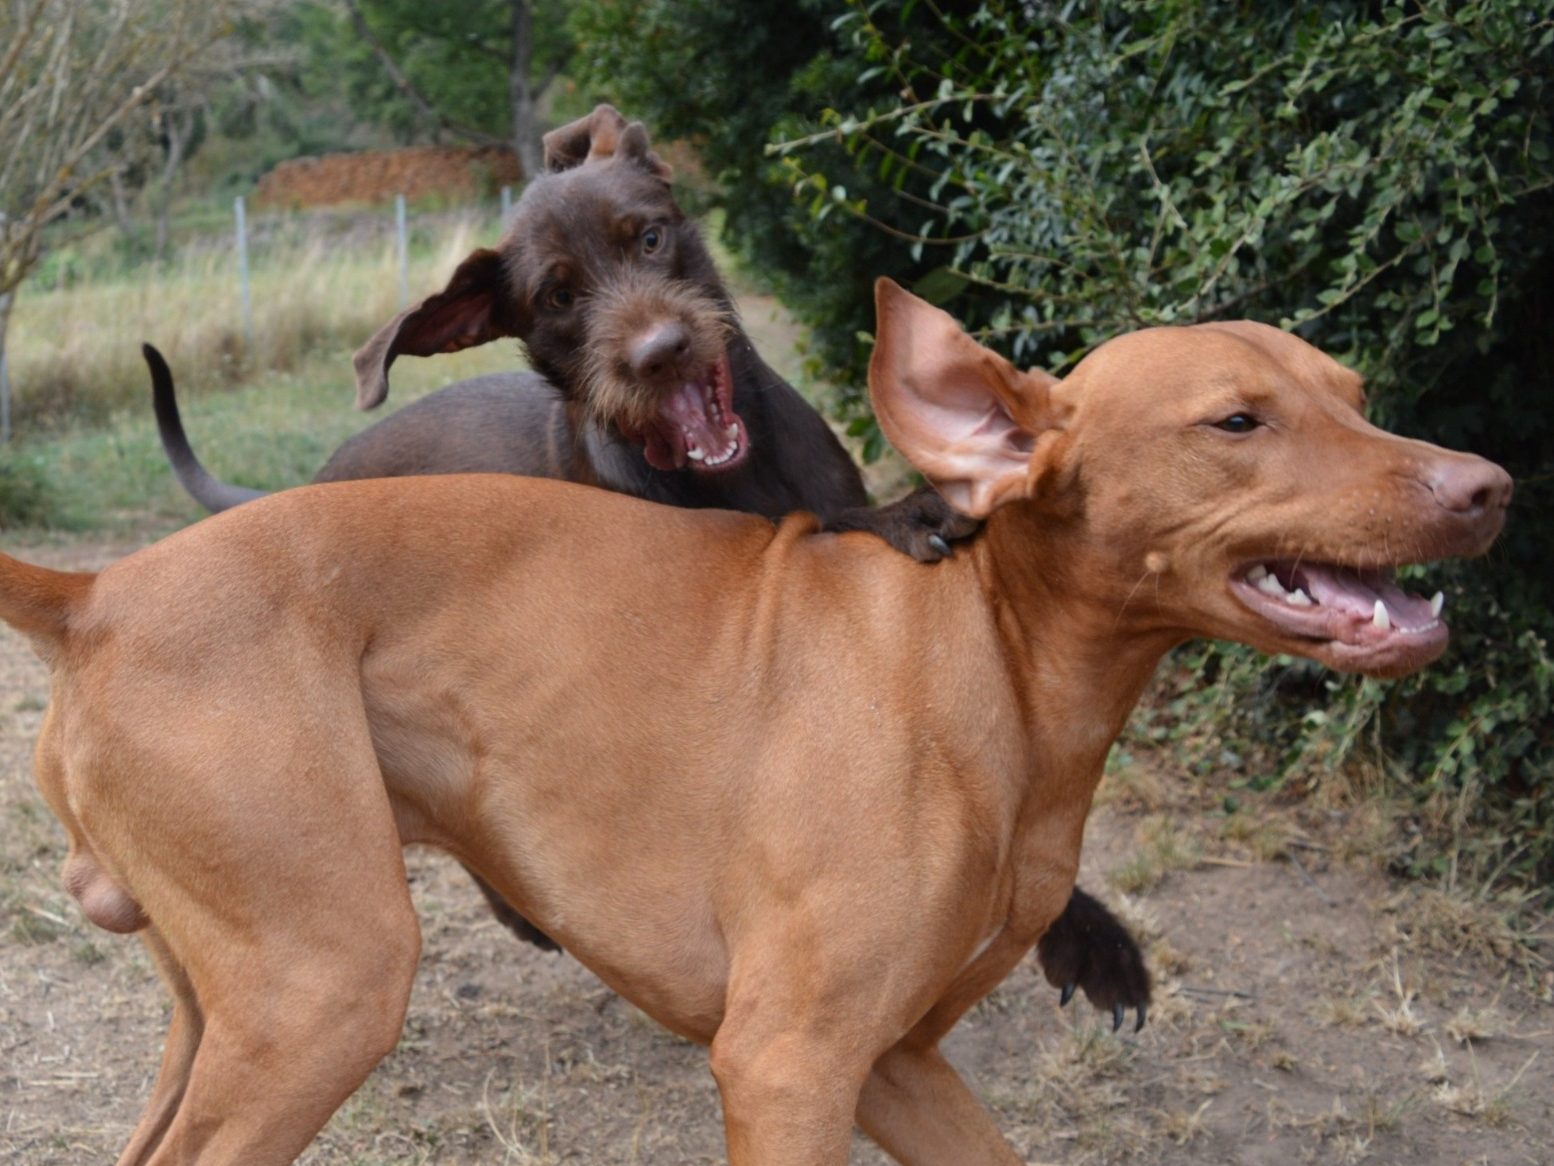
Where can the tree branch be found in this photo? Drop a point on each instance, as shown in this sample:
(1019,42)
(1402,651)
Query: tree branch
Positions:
(407,87)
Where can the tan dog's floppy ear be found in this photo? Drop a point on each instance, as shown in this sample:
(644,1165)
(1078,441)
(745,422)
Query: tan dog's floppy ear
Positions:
(588,137)
(473,309)
(960,413)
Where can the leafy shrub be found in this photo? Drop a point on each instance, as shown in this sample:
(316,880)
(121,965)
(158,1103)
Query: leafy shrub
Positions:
(1376,178)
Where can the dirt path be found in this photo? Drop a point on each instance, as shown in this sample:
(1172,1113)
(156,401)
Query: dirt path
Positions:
(1309,1011)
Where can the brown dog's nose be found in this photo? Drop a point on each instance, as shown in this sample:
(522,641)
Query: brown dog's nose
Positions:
(1469,485)
(659,349)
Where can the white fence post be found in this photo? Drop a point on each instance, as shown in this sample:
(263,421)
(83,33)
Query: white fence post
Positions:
(404,250)
(5,369)
(242,276)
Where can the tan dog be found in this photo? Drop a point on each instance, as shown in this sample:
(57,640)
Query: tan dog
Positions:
(793,794)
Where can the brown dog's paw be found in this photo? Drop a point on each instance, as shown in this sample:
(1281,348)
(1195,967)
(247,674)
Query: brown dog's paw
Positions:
(1088,947)
(921,524)
(510,919)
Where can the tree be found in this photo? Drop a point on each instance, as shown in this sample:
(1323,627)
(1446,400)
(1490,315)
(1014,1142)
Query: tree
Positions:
(476,69)
(74,75)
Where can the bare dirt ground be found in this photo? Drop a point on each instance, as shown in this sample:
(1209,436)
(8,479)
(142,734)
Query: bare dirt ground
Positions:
(1309,1010)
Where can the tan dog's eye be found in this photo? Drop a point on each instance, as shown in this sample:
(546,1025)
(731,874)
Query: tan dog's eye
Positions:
(652,240)
(1238,423)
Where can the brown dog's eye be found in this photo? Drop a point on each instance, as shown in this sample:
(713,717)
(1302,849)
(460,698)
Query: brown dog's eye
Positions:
(1238,423)
(652,240)
(559,298)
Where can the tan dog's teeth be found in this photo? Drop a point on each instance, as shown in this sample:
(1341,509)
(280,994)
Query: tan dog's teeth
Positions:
(1299,598)
(1437,602)
(1380,618)
(1257,574)
(1269,585)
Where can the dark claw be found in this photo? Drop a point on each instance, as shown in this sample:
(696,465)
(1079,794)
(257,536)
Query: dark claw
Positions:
(939,545)
(1143,1013)
(1116,1017)
(1066,995)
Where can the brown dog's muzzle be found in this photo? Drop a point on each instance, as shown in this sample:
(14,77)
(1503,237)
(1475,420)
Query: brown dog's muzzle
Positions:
(659,371)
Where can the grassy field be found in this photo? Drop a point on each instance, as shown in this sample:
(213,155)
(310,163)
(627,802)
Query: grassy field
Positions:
(86,456)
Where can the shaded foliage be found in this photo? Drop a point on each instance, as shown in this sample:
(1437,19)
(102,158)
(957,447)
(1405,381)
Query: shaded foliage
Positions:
(1377,177)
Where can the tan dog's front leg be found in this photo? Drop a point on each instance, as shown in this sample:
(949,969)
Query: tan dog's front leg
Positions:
(788,1098)
(789,1059)
(921,1113)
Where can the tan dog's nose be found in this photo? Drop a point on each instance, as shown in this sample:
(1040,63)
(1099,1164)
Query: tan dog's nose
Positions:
(659,350)
(1469,485)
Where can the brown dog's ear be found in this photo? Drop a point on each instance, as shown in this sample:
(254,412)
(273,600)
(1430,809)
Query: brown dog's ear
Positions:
(588,137)
(473,309)
(633,145)
(960,413)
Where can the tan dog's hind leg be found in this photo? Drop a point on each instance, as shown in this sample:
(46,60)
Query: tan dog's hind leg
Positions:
(271,869)
(921,1113)
(183,1040)
(294,1018)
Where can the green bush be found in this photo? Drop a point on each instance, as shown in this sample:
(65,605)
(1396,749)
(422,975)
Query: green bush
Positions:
(1378,177)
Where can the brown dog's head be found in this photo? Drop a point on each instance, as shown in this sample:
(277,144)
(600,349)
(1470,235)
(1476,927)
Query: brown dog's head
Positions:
(612,292)
(1220,479)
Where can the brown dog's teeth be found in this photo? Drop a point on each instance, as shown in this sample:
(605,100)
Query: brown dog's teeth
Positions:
(1437,603)
(1380,618)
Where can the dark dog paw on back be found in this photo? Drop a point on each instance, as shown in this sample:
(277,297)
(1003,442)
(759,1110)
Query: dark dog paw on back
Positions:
(921,524)
(510,919)
(1088,948)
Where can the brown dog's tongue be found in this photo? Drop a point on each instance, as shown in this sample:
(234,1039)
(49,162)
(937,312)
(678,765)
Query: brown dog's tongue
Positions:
(660,453)
(686,433)
(688,411)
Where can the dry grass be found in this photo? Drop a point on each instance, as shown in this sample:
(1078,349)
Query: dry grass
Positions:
(1163,846)
(74,351)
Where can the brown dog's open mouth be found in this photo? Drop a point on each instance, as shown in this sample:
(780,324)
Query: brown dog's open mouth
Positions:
(1364,620)
(696,426)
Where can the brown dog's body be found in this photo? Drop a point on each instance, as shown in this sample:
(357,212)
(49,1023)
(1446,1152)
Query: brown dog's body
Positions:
(790,793)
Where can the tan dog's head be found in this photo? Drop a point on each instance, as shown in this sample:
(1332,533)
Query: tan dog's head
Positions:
(1221,477)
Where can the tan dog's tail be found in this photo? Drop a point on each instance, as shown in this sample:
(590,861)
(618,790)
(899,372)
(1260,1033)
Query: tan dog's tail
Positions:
(38,602)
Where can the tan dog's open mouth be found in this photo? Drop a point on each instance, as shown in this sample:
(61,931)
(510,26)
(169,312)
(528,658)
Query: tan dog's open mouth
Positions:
(696,426)
(1364,619)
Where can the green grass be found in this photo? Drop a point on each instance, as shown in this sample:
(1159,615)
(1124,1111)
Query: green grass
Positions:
(87,457)
(273,432)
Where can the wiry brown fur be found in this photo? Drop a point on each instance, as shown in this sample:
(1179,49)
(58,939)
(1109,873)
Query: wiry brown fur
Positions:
(621,311)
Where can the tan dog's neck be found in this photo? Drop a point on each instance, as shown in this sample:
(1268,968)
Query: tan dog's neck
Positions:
(1067,640)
